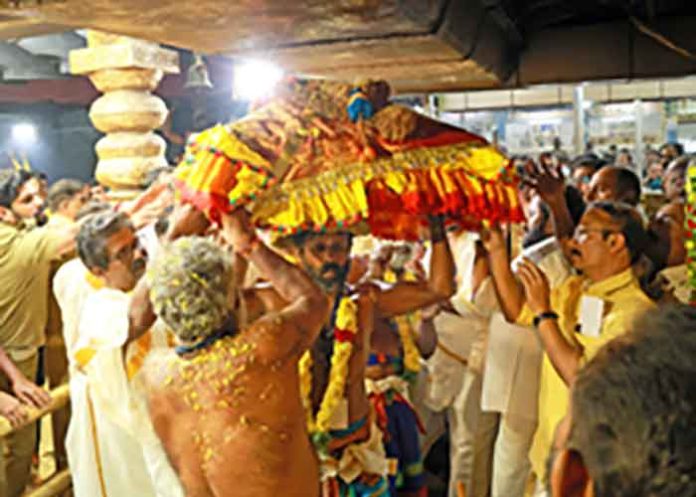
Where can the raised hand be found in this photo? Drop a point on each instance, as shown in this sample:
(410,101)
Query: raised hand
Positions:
(547,180)
(536,286)
(186,220)
(493,239)
(238,231)
(437,228)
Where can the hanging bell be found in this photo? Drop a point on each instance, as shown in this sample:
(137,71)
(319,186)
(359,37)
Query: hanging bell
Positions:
(197,77)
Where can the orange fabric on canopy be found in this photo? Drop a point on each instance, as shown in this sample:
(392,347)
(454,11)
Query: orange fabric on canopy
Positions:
(299,163)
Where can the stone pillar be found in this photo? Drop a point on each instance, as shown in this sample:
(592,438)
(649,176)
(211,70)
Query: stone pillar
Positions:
(126,71)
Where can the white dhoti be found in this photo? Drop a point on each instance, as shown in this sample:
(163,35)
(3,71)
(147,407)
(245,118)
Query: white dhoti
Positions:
(112,447)
(355,459)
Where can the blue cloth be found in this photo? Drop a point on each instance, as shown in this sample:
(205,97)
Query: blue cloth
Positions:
(352,428)
(403,445)
(377,359)
(359,106)
(205,343)
(654,184)
(358,489)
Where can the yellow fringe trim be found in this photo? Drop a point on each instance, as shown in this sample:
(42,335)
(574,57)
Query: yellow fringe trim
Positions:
(340,194)
(221,164)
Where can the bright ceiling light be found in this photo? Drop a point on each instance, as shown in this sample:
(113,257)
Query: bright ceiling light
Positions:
(255,79)
(24,133)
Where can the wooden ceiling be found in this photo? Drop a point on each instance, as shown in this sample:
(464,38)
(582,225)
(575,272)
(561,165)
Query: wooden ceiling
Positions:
(418,45)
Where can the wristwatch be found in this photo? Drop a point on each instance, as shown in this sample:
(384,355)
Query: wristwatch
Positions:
(543,316)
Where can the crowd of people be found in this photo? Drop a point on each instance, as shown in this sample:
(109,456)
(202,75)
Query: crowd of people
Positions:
(557,361)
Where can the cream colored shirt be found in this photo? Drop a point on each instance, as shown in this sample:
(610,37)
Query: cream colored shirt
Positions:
(462,336)
(678,282)
(513,363)
(25,264)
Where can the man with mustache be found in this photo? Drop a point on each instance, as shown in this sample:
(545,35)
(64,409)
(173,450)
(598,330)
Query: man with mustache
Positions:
(350,449)
(332,372)
(26,256)
(111,444)
(577,318)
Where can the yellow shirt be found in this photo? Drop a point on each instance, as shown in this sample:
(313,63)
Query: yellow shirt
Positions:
(25,263)
(624,301)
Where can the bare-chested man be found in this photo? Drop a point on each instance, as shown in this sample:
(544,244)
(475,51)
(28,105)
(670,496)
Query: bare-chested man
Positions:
(361,470)
(226,403)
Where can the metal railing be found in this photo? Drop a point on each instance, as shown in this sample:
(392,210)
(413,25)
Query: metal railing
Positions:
(61,481)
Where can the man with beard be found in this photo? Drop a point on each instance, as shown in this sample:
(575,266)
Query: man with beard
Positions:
(333,372)
(26,255)
(578,317)
(112,448)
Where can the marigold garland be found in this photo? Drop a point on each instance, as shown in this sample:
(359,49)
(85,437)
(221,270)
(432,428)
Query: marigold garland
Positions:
(690,225)
(405,325)
(346,329)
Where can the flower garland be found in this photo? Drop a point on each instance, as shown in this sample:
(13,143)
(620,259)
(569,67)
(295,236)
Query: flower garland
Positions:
(345,332)
(690,222)
(405,325)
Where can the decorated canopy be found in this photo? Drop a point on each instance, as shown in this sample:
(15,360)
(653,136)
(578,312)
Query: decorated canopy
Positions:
(322,156)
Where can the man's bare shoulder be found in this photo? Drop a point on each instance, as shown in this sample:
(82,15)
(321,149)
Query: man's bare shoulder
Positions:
(273,326)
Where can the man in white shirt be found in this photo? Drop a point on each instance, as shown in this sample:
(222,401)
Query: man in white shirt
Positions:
(112,446)
(454,372)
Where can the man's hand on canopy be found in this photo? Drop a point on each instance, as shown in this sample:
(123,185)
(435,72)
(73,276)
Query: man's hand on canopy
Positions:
(493,239)
(187,220)
(238,230)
